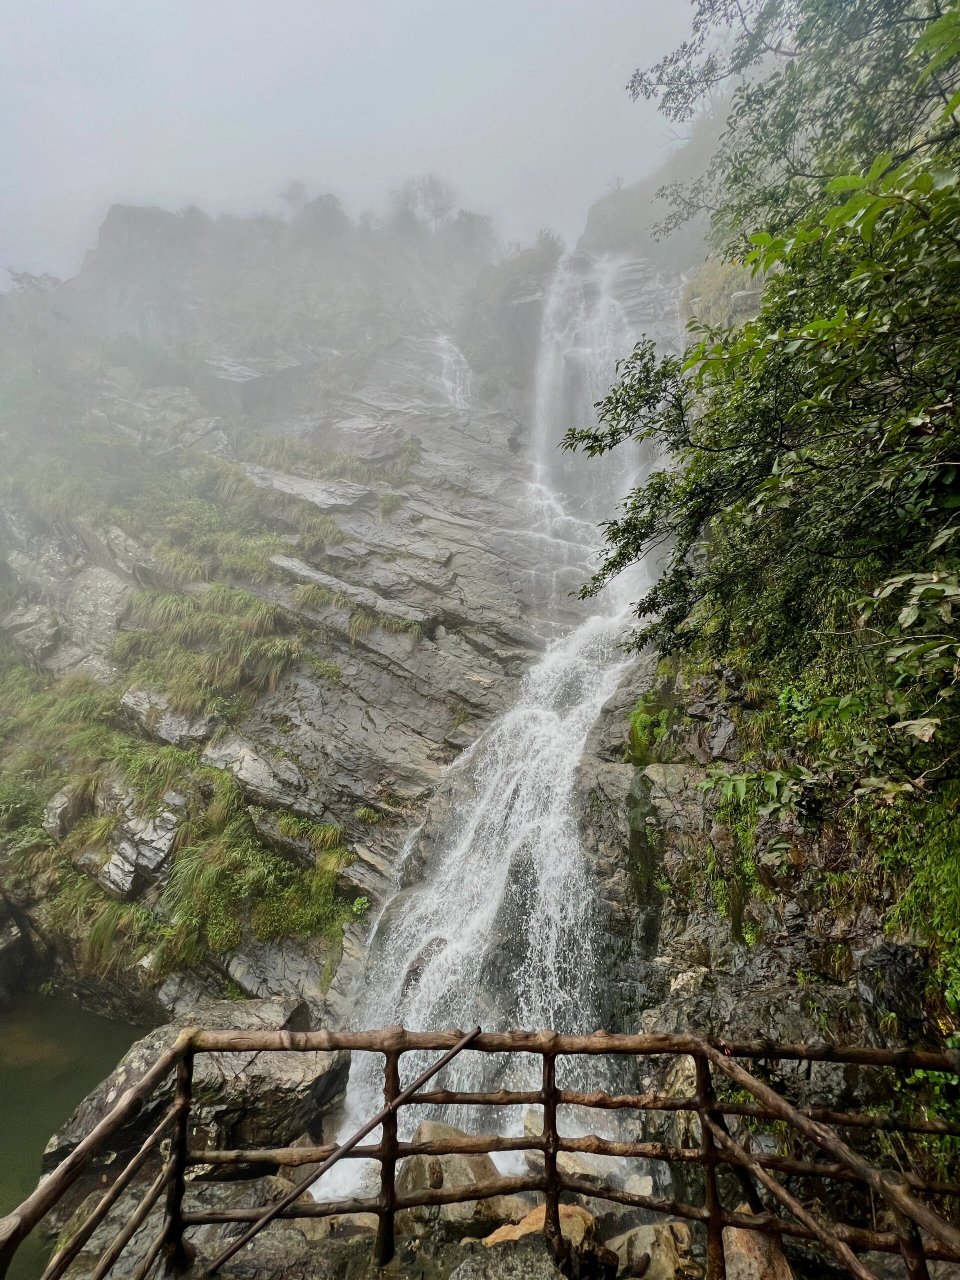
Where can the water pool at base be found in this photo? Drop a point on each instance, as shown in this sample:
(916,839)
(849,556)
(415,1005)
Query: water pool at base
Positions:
(52,1053)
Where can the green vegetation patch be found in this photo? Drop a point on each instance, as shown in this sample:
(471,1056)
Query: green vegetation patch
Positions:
(809,502)
(207,651)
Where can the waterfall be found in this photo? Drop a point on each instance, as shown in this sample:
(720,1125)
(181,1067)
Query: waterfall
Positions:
(497,927)
(454,373)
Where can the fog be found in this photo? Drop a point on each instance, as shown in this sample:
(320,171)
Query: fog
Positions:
(220,103)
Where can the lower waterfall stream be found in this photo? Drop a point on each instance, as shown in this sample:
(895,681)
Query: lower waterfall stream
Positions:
(497,926)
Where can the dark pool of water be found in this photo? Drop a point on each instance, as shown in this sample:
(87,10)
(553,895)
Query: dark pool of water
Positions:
(52,1053)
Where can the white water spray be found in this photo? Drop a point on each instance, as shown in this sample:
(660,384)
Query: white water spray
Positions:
(500,928)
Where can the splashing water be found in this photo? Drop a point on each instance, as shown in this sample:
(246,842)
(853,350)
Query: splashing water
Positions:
(499,928)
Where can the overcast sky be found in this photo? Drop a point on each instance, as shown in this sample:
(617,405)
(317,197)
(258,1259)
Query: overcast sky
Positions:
(520,103)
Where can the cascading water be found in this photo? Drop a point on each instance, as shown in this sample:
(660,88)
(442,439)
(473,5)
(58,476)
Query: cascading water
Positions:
(454,373)
(500,929)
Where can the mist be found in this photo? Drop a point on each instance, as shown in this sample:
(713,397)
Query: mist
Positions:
(520,104)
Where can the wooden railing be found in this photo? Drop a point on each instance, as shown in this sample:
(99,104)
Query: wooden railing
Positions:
(915,1229)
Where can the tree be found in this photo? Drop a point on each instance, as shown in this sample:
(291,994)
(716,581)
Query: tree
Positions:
(27,282)
(806,511)
(472,232)
(427,197)
(294,196)
(437,199)
(323,218)
(814,87)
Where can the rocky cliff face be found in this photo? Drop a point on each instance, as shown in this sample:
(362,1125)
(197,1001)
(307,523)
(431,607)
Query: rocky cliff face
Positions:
(338,427)
(737,932)
(389,472)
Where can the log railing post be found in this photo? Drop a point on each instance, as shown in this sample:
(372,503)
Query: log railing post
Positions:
(176,1253)
(388,1159)
(716,1262)
(553,1183)
(911,1247)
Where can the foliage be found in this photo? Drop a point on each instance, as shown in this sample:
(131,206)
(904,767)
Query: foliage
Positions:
(806,515)
(649,725)
(812,88)
(206,651)
(113,935)
(320,835)
(302,456)
(324,668)
(731,866)
(225,880)
(363,813)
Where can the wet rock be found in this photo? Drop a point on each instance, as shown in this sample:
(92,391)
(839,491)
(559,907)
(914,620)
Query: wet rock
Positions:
(274,781)
(367,873)
(180,993)
(661,1251)
(64,810)
(892,980)
(328,495)
(527,1259)
(243,1099)
(676,797)
(94,605)
(151,711)
(576,1226)
(138,852)
(722,740)
(284,968)
(35,629)
(353,596)
(339,1001)
(750,1256)
(475,1217)
(14,956)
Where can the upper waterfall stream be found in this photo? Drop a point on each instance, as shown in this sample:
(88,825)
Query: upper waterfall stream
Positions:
(493,922)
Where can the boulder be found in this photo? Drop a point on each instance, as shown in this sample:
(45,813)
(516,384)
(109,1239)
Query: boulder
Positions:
(93,606)
(152,712)
(751,1256)
(35,629)
(270,782)
(660,1251)
(240,1099)
(474,1217)
(527,1259)
(576,1226)
(63,811)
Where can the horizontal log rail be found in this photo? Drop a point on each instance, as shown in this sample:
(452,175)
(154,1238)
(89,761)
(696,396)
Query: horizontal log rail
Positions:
(397,1039)
(294,1157)
(912,1227)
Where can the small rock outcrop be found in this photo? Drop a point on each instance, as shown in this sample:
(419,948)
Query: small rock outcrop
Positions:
(661,1251)
(576,1226)
(15,954)
(241,1099)
(473,1217)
